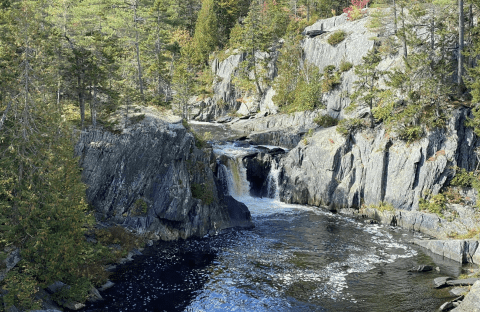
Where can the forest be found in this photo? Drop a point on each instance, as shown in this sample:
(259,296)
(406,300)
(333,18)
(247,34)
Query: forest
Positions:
(66,65)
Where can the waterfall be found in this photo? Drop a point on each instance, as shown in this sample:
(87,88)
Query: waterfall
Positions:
(272,180)
(234,177)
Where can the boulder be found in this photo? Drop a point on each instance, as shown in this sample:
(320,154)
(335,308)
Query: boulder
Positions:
(459,291)
(440,282)
(421,268)
(107,285)
(470,303)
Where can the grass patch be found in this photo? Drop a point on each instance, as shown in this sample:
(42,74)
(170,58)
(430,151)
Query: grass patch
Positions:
(383,206)
(336,37)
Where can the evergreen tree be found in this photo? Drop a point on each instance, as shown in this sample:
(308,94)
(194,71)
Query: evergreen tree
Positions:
(205,39)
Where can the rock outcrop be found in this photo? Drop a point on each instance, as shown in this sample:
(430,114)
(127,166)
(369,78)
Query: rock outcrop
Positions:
(152,178)
(470,303)
(369,167)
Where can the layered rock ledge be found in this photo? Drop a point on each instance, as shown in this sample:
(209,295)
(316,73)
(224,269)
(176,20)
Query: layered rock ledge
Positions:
(153,178)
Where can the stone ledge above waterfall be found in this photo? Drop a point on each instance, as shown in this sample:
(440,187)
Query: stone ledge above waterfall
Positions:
(155,166)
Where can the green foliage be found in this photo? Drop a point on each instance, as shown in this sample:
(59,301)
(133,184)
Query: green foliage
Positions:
(336,37)
(326,121)
(465,178)
(383,206)
(140,207)
(376,21)
(436,204)
(330,78)
(203,191)
(205,39)
(346,126)
(345,66)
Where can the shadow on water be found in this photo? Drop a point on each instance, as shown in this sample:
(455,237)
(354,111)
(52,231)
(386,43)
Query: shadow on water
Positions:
(166,277)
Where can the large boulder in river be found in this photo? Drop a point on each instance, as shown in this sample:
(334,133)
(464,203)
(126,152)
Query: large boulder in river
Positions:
(153,178)
(370,167)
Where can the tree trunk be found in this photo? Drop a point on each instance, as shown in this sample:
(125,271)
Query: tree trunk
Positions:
(4,116)
(257,84)
(93,106)
(461,29)
(394,17)
(81,100)
(405,49)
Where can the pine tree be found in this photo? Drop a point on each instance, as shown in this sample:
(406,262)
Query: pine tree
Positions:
(205,38)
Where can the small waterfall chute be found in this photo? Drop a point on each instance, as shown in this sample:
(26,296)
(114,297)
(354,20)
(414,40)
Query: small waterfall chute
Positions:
(273,180)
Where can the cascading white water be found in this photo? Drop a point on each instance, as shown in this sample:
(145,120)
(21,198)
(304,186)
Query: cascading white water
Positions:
(235,178)
(272,180)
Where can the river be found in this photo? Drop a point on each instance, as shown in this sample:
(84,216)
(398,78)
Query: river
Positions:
(297,258)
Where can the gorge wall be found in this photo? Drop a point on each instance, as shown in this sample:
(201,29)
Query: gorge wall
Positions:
(152,178)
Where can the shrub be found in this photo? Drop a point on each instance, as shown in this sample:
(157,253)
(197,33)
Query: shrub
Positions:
(336,37)
(383,206)
(330,78)
(411,133)
(203,191)
(346,126)
(436,204)
(140,207)
(345,66)
(326,121)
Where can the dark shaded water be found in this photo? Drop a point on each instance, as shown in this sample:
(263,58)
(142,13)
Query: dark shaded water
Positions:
(297,258)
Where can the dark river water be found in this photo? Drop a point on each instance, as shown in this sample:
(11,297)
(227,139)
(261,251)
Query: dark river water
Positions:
(297,258)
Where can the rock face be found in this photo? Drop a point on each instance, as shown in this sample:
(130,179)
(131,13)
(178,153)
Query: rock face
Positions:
(317,51)
(369,167)
(152,178)
(470,303)
(9,263)
(459,250)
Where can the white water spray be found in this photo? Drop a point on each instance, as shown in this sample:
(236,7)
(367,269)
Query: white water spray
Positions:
(272,181)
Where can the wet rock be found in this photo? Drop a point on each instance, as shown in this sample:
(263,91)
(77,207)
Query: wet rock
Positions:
(459,291)
(441,281)
(239,214)
(470,303)
(447,306)
(74,306)
(463,282)
(106,286)
(94,295)
(224,119)
(421,268)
